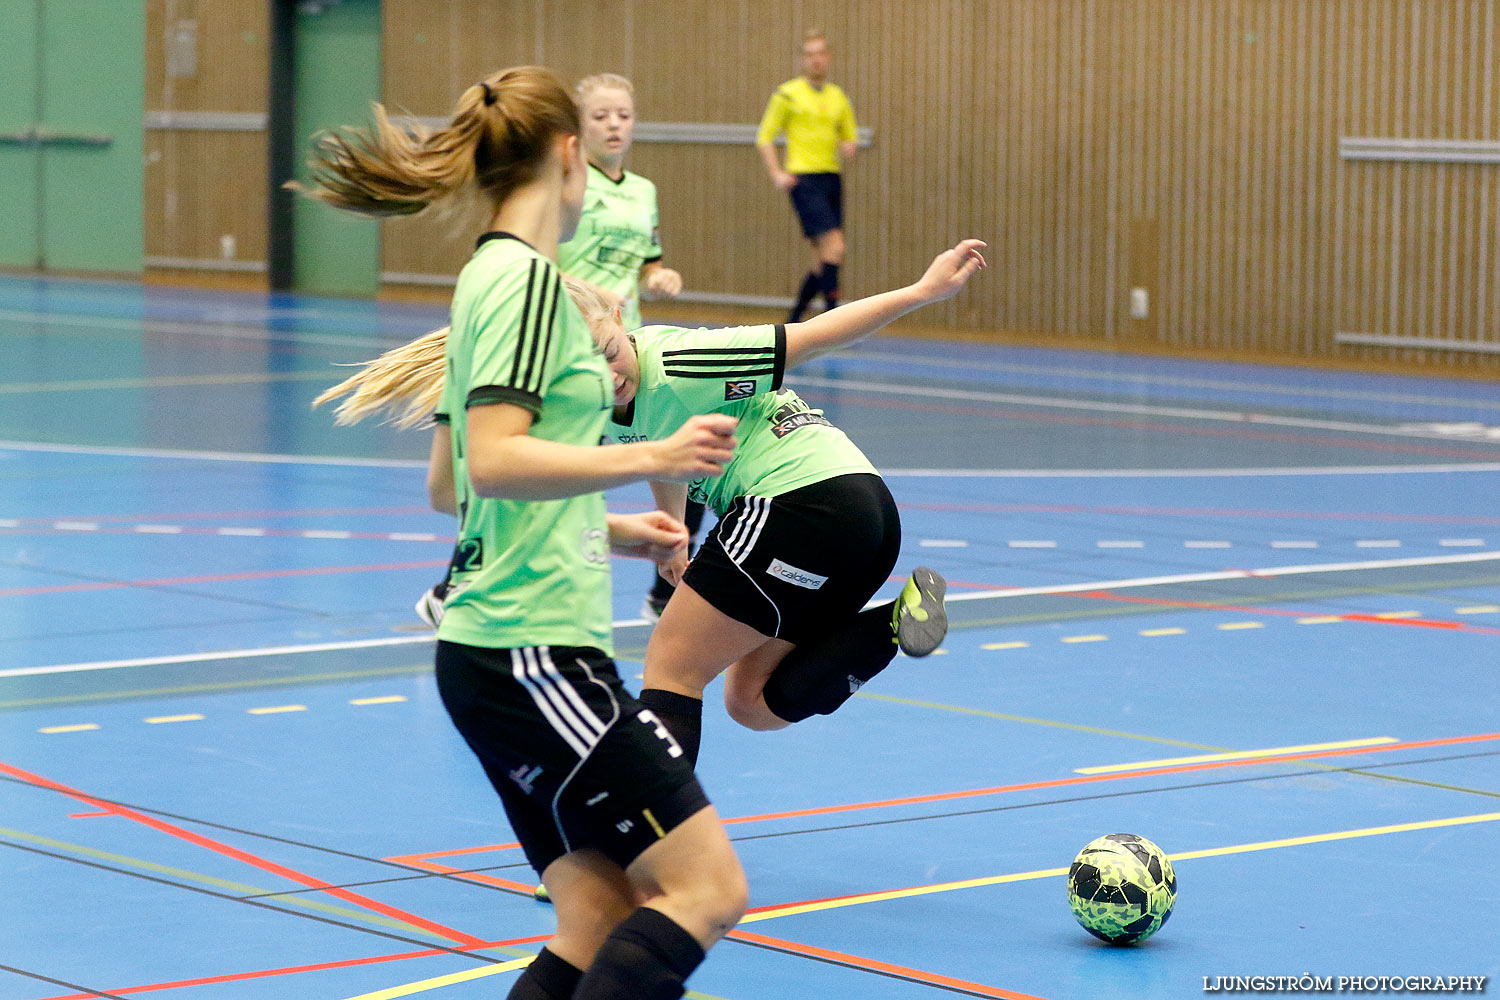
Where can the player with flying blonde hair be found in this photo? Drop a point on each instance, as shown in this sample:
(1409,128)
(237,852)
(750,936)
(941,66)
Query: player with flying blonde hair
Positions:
(600,795)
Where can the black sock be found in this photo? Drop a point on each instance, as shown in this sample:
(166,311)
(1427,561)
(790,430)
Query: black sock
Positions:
(828,284)
(648,957)
(810,287)
(815,679)
(546,978)
(681,714)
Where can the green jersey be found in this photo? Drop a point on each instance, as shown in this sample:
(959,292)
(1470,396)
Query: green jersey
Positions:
(616,237)
(525,572)
(783,443)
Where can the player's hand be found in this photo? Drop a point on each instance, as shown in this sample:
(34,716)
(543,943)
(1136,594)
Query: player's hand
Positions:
(700,448)
(784,181)
(653,535)
(951,270)
(664,281)
(671,570)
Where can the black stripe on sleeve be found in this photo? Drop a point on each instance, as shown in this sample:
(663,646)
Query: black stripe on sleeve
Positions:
(441,418)
(541,332)
(484,395)
(780,357)
(652,260)
(715,350)
(515,368)
(723,374)
(725,363)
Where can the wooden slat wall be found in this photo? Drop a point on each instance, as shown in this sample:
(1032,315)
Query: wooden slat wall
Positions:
(1187,145)
(203,185)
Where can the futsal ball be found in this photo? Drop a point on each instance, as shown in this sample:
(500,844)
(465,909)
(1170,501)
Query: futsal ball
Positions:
(1121,888)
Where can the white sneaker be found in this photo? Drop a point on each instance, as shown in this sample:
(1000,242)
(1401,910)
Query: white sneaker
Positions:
(429,606)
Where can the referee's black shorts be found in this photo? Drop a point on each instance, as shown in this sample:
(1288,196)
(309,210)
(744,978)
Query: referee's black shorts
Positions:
(798,565)
(577,761)
(819,201)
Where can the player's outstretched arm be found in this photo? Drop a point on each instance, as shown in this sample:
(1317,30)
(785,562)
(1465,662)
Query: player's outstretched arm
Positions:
(948,273)
(650,535)
(507,462)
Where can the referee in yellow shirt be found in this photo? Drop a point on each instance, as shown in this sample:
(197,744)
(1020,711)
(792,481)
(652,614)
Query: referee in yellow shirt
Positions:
(820,130)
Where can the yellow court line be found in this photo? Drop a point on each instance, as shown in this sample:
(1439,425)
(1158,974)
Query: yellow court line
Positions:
(438,983)
(1153,632)
(1478,609)
(1236,626)
(1005,645)
(1263,845)
(1235,755)
(1319,620)
(82,727)
(276,709)
(1085,638)
(1399,614)
(383,700)
(157,720)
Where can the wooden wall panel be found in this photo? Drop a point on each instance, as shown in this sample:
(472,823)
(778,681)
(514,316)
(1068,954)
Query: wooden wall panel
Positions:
(1190,145)
(203,185)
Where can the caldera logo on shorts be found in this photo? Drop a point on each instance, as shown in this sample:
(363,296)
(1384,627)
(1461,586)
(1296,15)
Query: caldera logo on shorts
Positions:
(739,388)
(793,575)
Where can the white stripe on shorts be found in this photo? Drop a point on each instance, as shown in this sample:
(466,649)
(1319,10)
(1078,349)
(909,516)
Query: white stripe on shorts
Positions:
(739,528)
(580,740)
(760,525)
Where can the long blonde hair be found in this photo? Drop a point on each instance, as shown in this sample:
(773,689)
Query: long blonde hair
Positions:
(497,141)
(406,383)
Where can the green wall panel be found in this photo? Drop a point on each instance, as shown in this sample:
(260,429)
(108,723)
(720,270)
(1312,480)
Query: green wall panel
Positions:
(18,164)
(338,75)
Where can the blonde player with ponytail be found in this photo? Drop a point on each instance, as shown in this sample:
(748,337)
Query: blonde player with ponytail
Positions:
(599,793)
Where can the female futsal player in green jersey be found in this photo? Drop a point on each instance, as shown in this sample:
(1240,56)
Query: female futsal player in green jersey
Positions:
(603,800)
(617,248)
(807,532)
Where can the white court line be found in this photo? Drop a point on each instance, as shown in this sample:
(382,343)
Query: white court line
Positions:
(1132,409)
(243,654)
(1231,574)
(1314,470)
(1235,755)
(204,328)
(1136,378)
(412,463)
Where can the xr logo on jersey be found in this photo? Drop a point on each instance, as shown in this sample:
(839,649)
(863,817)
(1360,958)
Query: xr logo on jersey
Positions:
(739,389)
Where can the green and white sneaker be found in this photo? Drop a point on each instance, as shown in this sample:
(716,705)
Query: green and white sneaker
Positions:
(920,621)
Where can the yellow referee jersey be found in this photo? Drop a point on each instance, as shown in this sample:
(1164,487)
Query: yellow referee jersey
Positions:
(815,122)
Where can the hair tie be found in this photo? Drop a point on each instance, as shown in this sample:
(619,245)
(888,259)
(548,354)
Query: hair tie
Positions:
(489,95)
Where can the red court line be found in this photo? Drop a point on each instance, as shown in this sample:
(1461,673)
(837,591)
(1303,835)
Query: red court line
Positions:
(264,574)
(877,966)
(1106,595)
(318,967)
(243,856)
(208,515)
(48,529)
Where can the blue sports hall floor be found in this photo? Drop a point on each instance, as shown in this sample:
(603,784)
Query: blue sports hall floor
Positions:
(1249,612)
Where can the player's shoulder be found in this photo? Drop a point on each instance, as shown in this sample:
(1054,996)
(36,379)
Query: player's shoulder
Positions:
(792,87)
(638,184)
(501,263)
(837,92)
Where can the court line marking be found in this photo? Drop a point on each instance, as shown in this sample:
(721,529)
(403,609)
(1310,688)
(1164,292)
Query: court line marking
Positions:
(1230,472)
(234,853)
(1263,845)
(316,967)
(1230,574)
(164,382)
(841,902)
(1137,378)
(1408,618)
(1238,417)
(178,581)
(919,473)
(418,859)
(1232,755)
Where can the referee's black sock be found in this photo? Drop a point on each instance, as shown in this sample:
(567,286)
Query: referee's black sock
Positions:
(811,285)
(828,284)
(546,978)
(647,957)
(815,679)
(681,714)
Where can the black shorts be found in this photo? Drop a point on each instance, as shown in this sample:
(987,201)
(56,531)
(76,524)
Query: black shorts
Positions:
(577,761)
(801,564)
(819,201)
